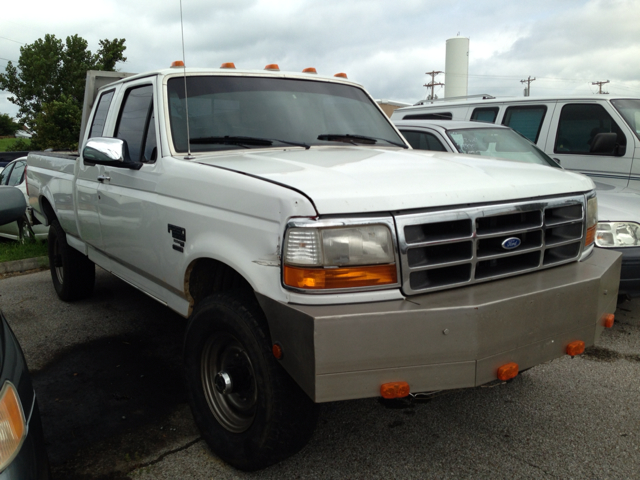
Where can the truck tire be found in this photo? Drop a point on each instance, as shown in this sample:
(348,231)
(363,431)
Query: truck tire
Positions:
(72,273)
(249,410)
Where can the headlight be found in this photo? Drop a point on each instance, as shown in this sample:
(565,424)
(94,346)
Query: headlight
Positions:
(352,256)
(618,234)
(12,425)
(592,220)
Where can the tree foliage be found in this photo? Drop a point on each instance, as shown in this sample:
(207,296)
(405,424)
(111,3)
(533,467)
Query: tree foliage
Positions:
(49,79)
(7,125)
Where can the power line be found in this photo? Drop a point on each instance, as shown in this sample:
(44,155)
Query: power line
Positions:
(527,91)
(12,40)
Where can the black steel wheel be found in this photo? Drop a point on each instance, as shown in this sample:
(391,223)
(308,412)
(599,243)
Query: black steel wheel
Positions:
(72,273)
(249,410)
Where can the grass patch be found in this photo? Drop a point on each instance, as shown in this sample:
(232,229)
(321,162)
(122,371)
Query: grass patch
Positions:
(11,250)
(6,143)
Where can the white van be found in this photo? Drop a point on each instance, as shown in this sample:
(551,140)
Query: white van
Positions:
(596,135)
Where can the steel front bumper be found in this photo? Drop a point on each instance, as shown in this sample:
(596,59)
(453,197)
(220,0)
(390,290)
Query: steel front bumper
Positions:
(450,339)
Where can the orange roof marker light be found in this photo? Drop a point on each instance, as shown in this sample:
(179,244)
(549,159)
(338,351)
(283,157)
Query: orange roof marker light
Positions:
(177,64)
(341,75)
(395,390)
(273,67)
(508,371)
(310,70)
(608,319)
(228,65)
(575,348)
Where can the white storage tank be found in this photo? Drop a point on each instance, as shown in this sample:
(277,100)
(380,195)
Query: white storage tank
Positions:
(456,67)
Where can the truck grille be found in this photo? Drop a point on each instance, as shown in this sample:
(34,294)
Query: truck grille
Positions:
(452,248)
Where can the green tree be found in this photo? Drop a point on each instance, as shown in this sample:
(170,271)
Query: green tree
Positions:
(7,125)
(52,71)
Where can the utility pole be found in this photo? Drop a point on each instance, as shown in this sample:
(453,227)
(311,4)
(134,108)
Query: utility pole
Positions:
(600,87)
(433,84)
(527,91)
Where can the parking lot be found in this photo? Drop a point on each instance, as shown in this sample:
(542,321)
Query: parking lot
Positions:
(107,372)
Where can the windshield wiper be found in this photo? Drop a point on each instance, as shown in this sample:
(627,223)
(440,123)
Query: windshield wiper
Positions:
(355,139)
(243,141)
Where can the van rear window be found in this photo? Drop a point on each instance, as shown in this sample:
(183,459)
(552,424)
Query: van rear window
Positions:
(526,120)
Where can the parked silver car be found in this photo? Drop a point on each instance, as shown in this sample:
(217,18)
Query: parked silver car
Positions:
(14,175)
(618,208)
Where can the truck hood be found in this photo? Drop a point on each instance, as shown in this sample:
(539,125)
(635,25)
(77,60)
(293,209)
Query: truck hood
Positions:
(342,180)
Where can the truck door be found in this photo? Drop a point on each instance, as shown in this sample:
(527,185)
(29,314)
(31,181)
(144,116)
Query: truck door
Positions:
(129,219)
(88,178)
(574,128)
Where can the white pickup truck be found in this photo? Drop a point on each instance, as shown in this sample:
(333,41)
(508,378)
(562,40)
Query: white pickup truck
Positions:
(316,256)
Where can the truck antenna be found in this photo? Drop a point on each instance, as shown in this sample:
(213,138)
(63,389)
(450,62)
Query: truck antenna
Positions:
(184,75)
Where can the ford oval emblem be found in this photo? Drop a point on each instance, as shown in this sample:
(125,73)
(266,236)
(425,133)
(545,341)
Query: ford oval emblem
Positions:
(511,243)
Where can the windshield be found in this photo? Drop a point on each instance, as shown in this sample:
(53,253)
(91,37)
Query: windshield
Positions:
(629,108)
(498,142)
(256,112)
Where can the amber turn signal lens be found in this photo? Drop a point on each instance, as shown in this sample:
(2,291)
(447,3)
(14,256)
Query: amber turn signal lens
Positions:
(341,75)
(508,371)
(591,236)
(277,351)
(272,66)
(177,63)
(608,319)
(395,390)
(575,348)
(228,65)
(344,277)
(309,70)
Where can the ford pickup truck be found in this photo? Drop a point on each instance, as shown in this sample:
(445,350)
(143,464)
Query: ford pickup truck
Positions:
(316,256)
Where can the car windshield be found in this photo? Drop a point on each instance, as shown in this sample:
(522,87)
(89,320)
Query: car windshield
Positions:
(257,112)
(629,108)
(498,142)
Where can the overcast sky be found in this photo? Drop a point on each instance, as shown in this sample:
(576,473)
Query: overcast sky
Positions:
(388,46)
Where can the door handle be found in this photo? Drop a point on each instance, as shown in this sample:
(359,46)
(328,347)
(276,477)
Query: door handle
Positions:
(103,178)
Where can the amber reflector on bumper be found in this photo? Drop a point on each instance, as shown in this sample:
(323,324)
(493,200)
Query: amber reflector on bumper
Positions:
(343,277)
(608,319)
(508,371)
(394,390)
(575,348)
(277,351)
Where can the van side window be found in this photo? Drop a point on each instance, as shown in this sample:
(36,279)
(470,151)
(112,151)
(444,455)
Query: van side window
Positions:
(429,116)
(100,117)
(579,124)
(423,140)
(135,115)
(526,120)
(485,114)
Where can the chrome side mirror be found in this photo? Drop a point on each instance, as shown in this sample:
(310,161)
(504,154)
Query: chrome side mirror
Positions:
(109,151)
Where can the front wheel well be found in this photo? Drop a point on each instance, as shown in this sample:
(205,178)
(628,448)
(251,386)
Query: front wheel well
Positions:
(207,276)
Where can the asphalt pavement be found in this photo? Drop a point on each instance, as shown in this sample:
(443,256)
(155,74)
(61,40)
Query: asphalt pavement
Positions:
(108,375)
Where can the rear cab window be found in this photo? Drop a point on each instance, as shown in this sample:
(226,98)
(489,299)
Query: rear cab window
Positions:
(423,140)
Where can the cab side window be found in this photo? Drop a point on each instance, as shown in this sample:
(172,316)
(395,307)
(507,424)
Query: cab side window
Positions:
(429,116)
(526,120)
(136,124)
(487,114)
(578,126)
(423,140)
(100,117)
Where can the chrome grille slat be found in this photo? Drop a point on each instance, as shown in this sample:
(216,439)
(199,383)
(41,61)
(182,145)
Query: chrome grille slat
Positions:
(441,250)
